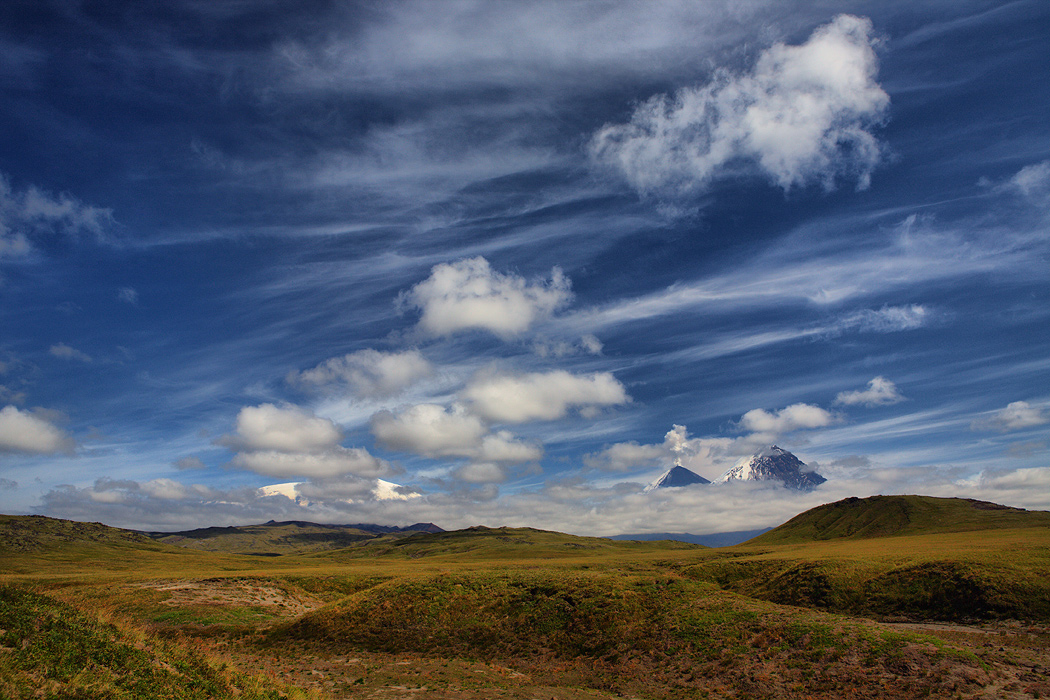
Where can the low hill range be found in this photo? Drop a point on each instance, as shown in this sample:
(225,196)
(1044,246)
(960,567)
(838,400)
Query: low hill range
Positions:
(288,537)
(772,463)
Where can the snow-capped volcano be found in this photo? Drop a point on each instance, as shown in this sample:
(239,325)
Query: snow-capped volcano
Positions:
(674,477)
(774,464)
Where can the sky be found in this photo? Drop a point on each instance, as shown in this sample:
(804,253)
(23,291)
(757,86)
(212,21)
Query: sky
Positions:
(480,263)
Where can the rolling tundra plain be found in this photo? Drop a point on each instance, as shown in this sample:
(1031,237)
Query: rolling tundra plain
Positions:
(883,597)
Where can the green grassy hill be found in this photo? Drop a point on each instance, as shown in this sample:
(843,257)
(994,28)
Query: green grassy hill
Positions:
(899,557)
(884,516)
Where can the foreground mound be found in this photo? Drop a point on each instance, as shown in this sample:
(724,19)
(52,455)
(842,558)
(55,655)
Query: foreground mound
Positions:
(49,649)
(883,516)
(632,633)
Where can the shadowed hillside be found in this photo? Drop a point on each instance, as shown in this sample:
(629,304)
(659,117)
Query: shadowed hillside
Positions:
(883,516)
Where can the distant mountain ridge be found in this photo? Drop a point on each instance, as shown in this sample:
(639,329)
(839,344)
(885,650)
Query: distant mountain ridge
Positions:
(772,463)
(274,538)
(367,527)
(716,539)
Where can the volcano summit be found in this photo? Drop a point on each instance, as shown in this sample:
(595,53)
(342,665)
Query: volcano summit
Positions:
(774,464)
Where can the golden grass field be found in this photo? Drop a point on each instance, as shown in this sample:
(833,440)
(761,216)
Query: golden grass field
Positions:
(954,602)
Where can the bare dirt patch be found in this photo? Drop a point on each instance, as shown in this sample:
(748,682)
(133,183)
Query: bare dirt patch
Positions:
(234,593)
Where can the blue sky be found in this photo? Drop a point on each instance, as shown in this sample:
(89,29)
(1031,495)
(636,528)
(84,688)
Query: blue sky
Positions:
(503,263)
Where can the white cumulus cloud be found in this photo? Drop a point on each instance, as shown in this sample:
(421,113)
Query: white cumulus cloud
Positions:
(541,395)
(799,416)
(24,431)
(168,489)
(804,113)
(1018,415)
(433,431)
(470,295)
(481,473)
(289,441)
(282,428)
(368,373)
(880,392)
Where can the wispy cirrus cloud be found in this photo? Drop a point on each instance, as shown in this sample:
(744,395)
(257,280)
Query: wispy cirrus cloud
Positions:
(1031,182)
(801,272)
(66,352)
(474,45)
(31,217)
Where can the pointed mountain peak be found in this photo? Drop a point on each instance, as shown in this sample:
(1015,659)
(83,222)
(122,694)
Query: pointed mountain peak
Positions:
(676,476)
(774,463)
